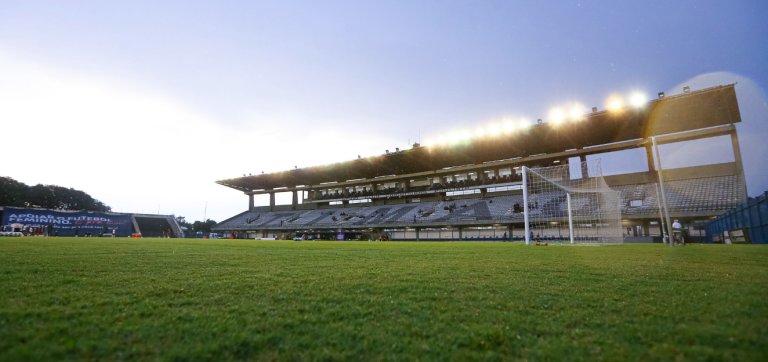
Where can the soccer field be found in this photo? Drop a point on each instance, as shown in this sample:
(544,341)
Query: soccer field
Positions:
(194,300)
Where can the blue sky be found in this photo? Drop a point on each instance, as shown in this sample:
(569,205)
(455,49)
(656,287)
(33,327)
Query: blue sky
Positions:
(226,88)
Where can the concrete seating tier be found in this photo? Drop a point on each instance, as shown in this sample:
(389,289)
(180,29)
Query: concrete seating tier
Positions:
(707,194)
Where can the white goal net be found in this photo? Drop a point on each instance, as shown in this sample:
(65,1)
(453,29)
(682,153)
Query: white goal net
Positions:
(571,204)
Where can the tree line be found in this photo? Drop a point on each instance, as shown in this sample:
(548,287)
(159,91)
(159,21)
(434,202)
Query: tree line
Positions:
(193,227)
(19,194)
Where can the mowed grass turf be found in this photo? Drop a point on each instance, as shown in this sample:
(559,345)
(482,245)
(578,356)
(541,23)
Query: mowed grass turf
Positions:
(214,300)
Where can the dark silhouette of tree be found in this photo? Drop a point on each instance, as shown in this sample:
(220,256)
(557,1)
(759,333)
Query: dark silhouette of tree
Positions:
(205,227)
(14,193)
(183,222)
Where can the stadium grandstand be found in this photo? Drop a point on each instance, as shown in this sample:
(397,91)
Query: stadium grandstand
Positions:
(32,221)
(472,189)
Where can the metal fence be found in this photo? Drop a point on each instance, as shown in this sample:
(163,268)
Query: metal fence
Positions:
(751,215)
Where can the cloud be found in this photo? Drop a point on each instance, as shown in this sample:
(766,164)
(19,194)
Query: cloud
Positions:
(135,148)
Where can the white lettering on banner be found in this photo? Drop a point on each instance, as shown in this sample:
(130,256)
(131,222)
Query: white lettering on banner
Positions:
(50,218)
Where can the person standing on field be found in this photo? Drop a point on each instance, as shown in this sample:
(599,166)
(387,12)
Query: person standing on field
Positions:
(677,235)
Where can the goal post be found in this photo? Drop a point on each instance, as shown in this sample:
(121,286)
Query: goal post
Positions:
(563,205)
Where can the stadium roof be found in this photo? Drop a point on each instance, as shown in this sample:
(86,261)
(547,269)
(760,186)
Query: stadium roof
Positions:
(689,111)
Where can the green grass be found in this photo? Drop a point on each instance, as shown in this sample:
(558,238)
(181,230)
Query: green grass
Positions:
(213,300)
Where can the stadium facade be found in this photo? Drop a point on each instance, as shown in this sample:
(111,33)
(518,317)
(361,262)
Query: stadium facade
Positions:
(467,190)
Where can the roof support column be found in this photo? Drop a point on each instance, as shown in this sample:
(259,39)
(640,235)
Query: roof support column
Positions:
(584,168)
(649,157)
(250,202)
(739,164)
(271,201)
(406,185)
(295,198)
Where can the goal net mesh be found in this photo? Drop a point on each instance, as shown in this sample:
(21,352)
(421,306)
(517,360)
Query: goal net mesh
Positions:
(594,207)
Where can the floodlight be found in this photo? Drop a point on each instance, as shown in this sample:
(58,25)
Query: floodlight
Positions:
(430,143)
(466,135)
(493,129)
(524,124)
(509,126)
(479,133)
(556,116)
(638,100)
(455,137)
(441,140)
(576,112)
(616,104)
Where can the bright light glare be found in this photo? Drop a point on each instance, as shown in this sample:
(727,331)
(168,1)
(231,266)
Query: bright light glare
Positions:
(479,133)
(441,140)
(524,124)
(576,113)
(430,143)
(466,135)
(493,129)
(455,137)
(509,126)
(638,100)
(556,116)
(616,104)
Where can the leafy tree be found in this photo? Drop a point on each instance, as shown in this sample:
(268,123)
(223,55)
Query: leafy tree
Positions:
(205,227)
(196,226)
(14,193)
(183,222)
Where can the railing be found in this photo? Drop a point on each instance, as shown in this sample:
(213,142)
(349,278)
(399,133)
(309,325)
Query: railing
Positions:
(751,216)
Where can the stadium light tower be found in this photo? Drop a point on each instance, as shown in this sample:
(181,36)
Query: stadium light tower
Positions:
(638,100)
(576,113)
(557,116)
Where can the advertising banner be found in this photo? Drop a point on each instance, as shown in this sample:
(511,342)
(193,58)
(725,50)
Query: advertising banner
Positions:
(739,236)
(69,223)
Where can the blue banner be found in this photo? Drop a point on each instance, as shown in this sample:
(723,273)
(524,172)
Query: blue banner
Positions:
(70,223)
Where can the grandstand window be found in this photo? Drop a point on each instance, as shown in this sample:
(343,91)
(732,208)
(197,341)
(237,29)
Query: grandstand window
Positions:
(463,192)
(416,200)
(636,203)
(336,203)
(505,188)
(360,201)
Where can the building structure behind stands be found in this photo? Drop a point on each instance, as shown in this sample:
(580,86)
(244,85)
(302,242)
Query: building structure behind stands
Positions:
(469,190)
